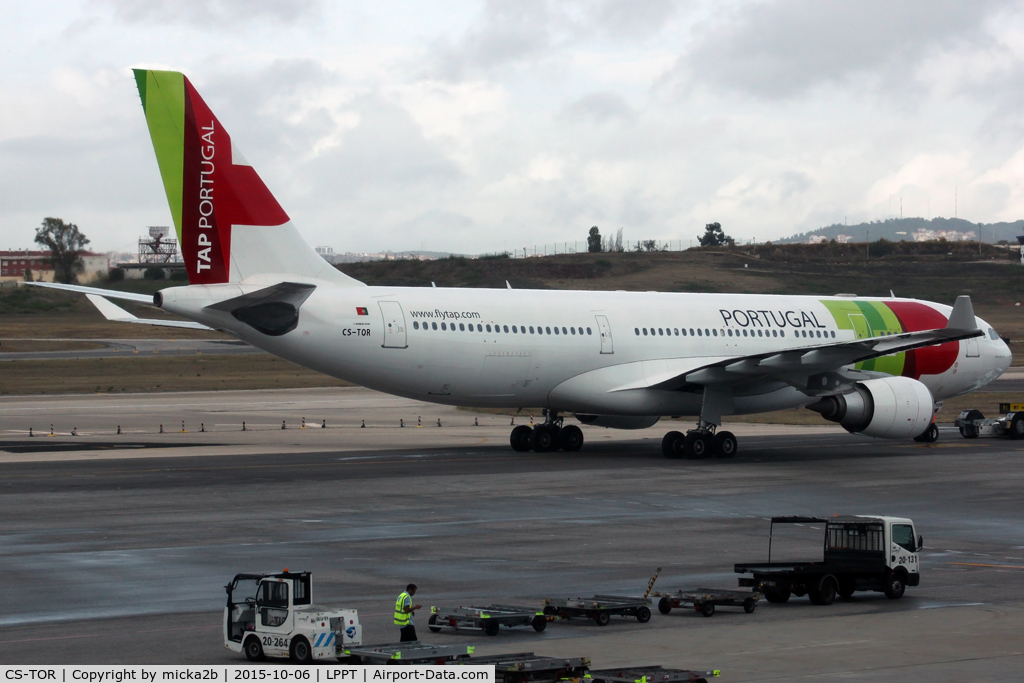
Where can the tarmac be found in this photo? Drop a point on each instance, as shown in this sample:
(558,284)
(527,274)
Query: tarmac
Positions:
(116,548)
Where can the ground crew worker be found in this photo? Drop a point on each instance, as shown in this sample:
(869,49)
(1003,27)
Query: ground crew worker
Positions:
(404,609)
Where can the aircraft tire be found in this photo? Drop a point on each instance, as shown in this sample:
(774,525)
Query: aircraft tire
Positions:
(544,438)
(571,438)
(930,435)
(724,445)
(520,439)
(696,446)
(670,445)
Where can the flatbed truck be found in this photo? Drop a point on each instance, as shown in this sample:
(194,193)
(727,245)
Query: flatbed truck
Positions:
(861,553)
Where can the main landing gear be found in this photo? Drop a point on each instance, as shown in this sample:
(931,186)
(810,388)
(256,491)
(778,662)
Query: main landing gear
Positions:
(703,442)
(547,437)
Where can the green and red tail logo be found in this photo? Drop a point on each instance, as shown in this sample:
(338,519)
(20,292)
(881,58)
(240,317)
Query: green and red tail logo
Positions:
(210,187)
(878,318)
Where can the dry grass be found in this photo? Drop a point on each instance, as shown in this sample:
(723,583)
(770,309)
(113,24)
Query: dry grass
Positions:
(188,373)
(29,345)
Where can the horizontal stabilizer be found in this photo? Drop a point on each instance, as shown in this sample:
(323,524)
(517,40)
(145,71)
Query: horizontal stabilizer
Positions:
(115,313)
(110,293)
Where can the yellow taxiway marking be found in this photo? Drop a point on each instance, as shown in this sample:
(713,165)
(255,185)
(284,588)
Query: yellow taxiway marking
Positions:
(997,566)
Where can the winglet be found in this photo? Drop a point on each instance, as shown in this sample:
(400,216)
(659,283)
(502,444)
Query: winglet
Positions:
(962,315)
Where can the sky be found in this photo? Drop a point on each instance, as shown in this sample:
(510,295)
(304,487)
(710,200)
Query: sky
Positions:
(477,127)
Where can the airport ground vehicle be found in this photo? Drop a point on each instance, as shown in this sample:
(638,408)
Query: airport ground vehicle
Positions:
(273,615)
(972,424)
(861,553)
(600,608)
(488,619)
(704,600)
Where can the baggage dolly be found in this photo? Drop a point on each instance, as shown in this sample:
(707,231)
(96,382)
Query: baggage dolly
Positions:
(526,667)
(650,674)
(704,600)
(488,619)
(600,608)
(412,652)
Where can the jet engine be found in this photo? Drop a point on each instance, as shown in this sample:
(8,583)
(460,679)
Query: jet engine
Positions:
(618,421)
(887,408)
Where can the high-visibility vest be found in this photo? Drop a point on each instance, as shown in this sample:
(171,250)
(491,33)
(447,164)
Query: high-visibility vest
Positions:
(402,618)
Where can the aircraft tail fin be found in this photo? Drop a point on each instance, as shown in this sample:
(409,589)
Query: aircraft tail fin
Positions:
(229,225)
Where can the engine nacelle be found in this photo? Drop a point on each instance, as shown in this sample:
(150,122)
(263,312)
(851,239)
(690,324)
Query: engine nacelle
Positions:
(619,421)
(887,408)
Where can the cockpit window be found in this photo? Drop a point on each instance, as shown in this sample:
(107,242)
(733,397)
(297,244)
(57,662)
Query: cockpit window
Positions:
(992,334)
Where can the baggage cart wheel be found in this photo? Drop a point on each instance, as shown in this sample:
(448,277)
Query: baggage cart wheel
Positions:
(776,596)
(301,652)
(706,608)
(430,624)
(643,615)
(749,605)
(539,623)
(664,606)
(602,618)
(669,448)
(254,649)
(1017,426)
(492,627)
(520,438)
(551,611)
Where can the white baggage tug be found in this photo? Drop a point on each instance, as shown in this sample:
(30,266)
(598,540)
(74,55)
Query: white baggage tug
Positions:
(273,615)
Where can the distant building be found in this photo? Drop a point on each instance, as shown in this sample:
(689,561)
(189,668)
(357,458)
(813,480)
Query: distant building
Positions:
(843,239)
(925,235)
(817,239)
(15,264)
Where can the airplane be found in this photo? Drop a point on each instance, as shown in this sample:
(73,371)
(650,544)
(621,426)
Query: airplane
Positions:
(877,366)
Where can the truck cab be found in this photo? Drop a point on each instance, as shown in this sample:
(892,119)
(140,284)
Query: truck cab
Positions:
(860,553)
(273,615)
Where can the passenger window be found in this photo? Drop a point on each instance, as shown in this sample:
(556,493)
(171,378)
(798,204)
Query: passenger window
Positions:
(547,330)
(833,334)
(775,333)
(782,333)
(588,330)
(443,326)
(744,333)
(563,331)
(488,328)
(903,536)
(819,334)
(645,331)
(676,330)
(556,330)
(706,332)
(759,333)
(684,331)
(531,329)
(573,330)
(505,328)
(415,325)
(691,331)
(433,326)
(462,327)
(480,328)
(636,331)
(714,332)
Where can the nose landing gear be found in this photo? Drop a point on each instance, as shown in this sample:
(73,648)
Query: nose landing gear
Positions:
(549,436)
(703,442)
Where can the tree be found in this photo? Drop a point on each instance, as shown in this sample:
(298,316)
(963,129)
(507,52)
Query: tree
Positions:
(594,241)
(65,243)
(714,236)
(618,240)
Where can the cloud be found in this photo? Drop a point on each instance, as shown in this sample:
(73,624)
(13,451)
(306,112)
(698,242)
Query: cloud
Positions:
(211,13)
(783,49)
(599,107)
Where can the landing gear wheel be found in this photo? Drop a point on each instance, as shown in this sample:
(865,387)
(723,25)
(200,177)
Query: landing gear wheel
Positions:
(664,606)
(776,596)
(670,445)
(749,605)
(696,446)
(254,650)
(571,438)
(643,615)
(1017,426)
(825,594)
(707,609)
(491,628)
(430,624)
(931,434)
(602,618)
(895,585)
(520,438)
(724,445)
(544,438)
(539,623)
(301,652)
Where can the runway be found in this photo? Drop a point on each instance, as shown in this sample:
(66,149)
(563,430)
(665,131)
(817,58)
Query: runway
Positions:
(118,348)
(118,554)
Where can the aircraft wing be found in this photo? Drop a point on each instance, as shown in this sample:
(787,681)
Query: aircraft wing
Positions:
(109,293)
(112,311)
(813,368)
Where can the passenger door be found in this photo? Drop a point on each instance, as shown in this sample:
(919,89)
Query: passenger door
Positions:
(861,329)
(606,334)
(972,348)
(394,325)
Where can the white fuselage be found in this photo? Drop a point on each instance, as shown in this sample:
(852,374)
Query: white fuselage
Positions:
(575,351)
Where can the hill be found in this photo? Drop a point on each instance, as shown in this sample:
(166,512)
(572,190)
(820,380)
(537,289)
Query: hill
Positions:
(903,229)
